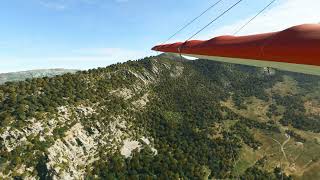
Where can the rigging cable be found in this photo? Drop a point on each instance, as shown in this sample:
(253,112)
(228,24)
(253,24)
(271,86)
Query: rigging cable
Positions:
(207,25)
(261,11)
(215,19)
(192,21)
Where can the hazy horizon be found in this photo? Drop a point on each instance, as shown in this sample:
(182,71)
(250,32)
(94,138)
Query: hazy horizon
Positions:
(47,34)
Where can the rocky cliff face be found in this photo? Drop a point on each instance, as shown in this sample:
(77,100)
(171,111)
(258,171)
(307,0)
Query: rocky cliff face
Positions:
(71,144)
(159,117)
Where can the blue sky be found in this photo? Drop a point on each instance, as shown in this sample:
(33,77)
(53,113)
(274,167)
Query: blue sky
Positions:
(82,34)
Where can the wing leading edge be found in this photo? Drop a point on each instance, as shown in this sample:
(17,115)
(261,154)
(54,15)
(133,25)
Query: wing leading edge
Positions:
(295,49)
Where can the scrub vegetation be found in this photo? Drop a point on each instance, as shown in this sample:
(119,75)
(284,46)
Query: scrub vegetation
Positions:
(187,120)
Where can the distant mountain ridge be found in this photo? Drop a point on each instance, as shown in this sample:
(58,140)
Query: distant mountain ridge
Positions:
(23,75)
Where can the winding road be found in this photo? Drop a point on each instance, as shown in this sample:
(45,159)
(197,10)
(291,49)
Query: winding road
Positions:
(282,145)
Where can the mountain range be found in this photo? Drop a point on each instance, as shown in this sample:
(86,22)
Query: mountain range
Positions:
(162,117)
(23,75)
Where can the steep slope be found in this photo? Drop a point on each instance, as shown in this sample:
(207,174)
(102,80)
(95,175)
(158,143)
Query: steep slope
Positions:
(20,76)
(161,117)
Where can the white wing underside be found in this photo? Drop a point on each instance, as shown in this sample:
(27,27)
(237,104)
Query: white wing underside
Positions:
(305,69)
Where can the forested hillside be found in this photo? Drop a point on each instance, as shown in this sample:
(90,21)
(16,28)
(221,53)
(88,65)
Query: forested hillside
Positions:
(162,118)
